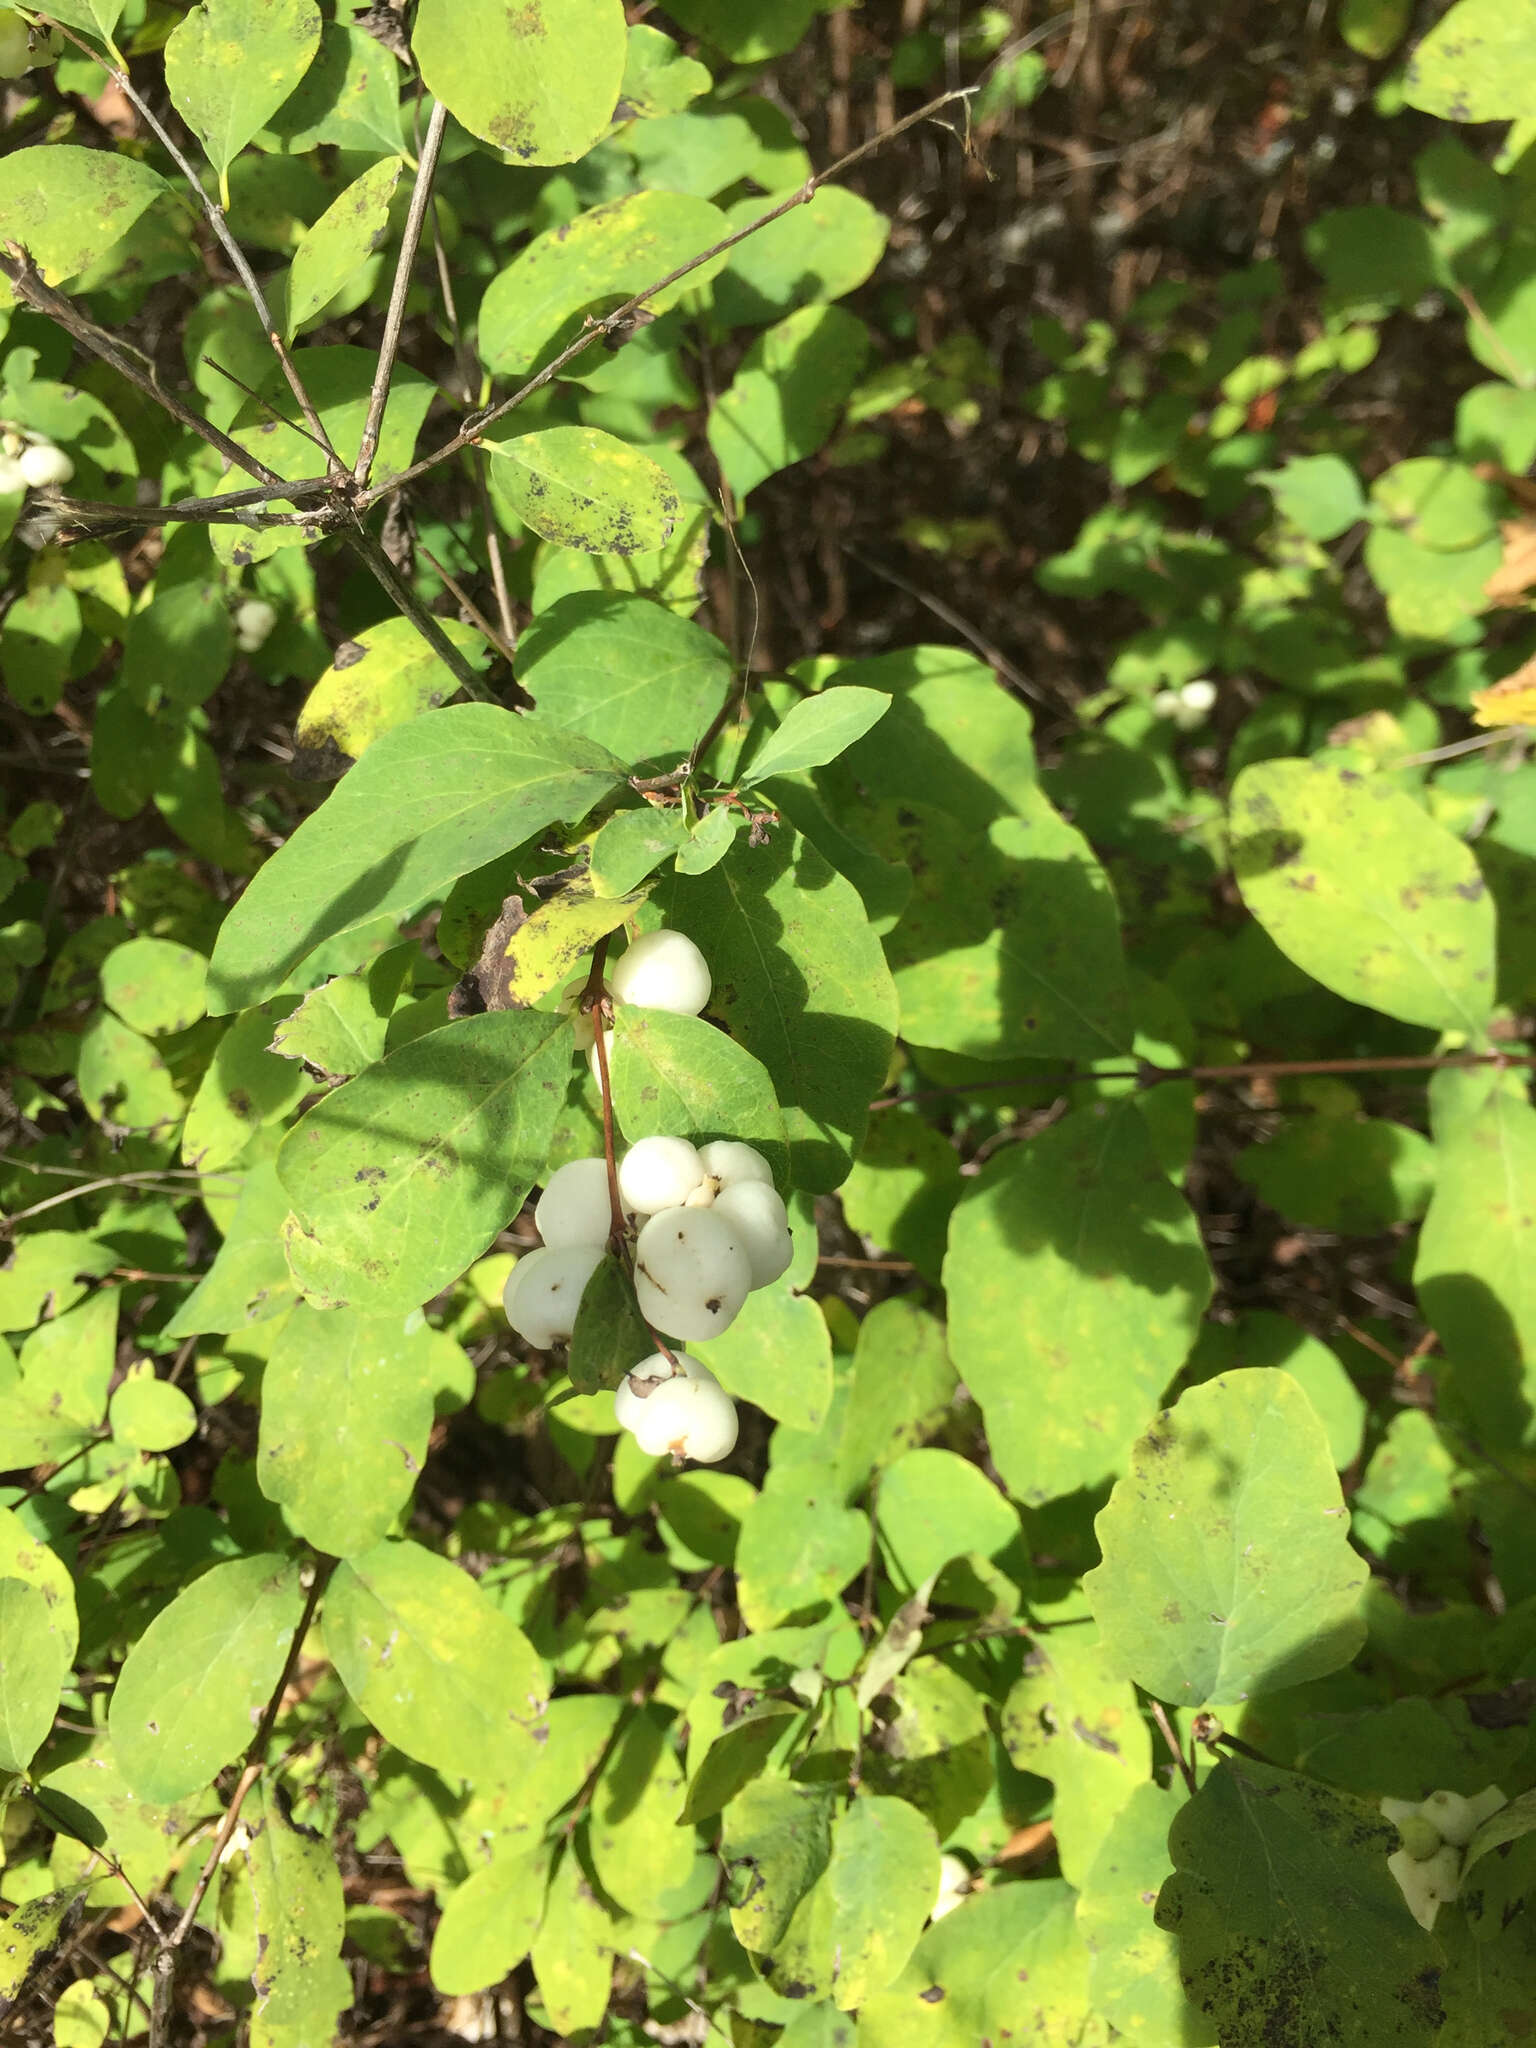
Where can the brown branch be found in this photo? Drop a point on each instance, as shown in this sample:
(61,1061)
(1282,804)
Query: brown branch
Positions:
(594,1001)
(230,508)
(27,282)
(1186,1768)
(383,570)
(611,323)
(394,318)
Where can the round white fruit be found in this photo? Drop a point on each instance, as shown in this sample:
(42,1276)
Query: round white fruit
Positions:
(574,1207)
(632,1392)
(543,1294)
(756,1215)
(662,971)
(254,621)
(691,1415)
(1451,1816)
(728,1163)
(691,1274)
(659,1173)
(1199,696)
(41,464)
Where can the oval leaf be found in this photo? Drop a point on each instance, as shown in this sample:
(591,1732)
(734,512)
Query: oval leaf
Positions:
(586,489)
(541,82)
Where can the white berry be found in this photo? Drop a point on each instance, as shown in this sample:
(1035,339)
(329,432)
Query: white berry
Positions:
(728,1163)
(757,1216)
(691,1415)
(1199,696)
(574,1207)
(691,1273)
(632,1392)
(663,971)
(543,1294)
(659,1173)
(254,621)
(41,464)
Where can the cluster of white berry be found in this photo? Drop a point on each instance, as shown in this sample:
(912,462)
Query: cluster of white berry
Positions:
(705,1224)
(31,462)
(1435,1834)
(1189,707)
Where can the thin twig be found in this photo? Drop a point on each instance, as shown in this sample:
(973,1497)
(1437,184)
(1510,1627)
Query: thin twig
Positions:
(989,653)
(229,508)
(394,318)
(594,1000)
(216,220)
(462,597)
(610,323)
(1186,1768)
(1150,1076)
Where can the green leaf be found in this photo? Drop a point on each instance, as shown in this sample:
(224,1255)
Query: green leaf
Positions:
(817,252)
(1346,1173)
(586,489)
(230,64)
(401,1178)
(858,1924)
(1006,1963)
(338,1029)
(177,650)
(606,254)
(32,1671)
(149,1414)
(1133,1974)
(816,730)
(658,78)
(432,800)
(124,1083)
(551,944)
(801,983)
(934,1505)
(249,1281)
(1073,1719)
(776,1842)
(541,85)
(788,394)
(639,1847)
(154,985)
(31,1930)
(1365,893)
(1476,1267)
(626,672)
(632,845)
(488,1924)
(1260,1337)
(346,1409)
(778,1355)
(349,96)
(67,205)
(1227,1568)
(341,241)
(390,675)
(736,1756)
(67,1363)
(1438,502)
(437,1668)
(47,1274)
(768,29)
(96,17)
(23,1556)
(1478,63)
(37,643)
(1010,943)
(679,1077)
(903,1186)
(302,1985)
(1288,1921)
(1082,1224)
(798,1548)
(610,1337)
(903,1384)
(573,1952)
(1319,493)
(194,1684)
